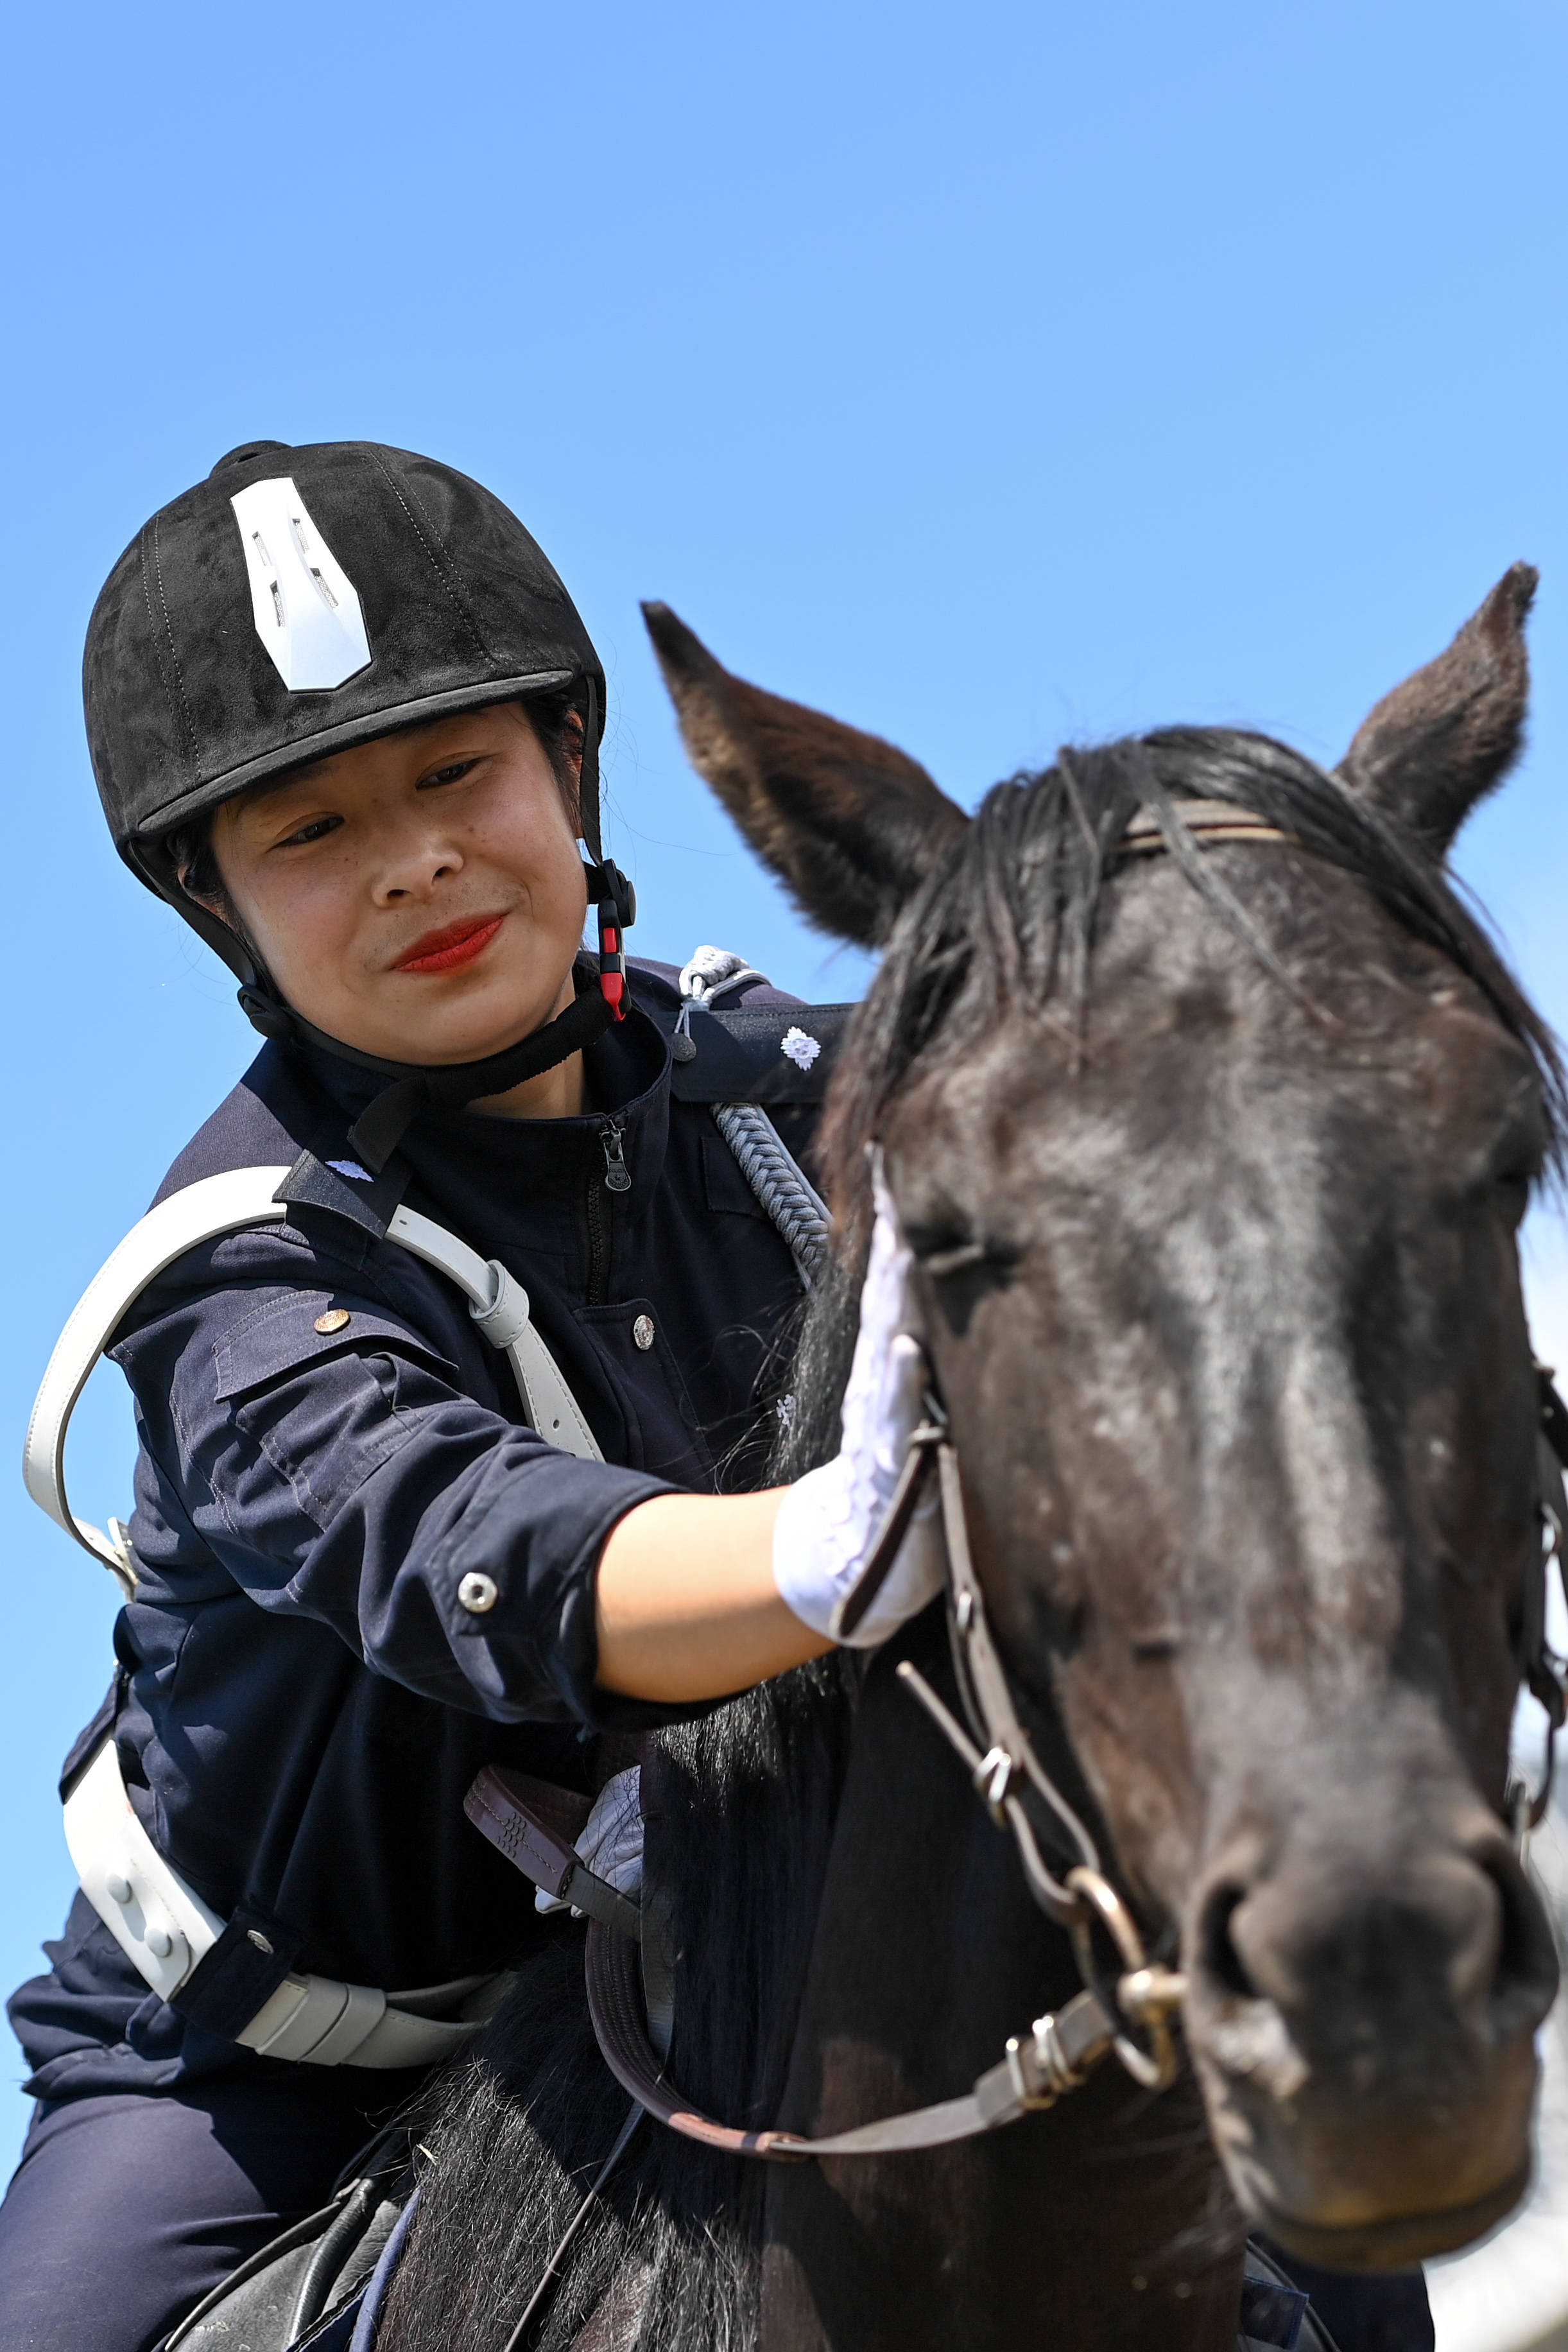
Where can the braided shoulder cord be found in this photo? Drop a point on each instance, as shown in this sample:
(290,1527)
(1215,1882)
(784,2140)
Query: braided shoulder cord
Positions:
(780,1185)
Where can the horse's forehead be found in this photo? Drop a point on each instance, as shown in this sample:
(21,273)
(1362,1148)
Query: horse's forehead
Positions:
(1180,1010)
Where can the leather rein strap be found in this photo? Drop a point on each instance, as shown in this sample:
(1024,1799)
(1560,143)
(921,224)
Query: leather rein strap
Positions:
(1057,2056)
(1060,2049)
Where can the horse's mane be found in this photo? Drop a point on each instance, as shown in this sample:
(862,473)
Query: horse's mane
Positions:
(514,2135)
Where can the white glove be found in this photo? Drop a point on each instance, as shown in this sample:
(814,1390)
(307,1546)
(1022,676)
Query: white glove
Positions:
(611,1842)
(831,1518)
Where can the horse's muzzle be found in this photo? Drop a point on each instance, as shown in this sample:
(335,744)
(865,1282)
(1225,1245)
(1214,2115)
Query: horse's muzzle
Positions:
(1363,2027)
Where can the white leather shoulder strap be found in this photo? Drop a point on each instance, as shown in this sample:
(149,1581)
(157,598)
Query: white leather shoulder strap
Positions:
(499,1306)
(226,1205)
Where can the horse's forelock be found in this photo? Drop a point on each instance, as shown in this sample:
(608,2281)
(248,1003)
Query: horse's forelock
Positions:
(1012,912)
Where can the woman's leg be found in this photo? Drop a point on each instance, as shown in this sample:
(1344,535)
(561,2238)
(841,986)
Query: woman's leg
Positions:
(127,2209)
(1366,2311)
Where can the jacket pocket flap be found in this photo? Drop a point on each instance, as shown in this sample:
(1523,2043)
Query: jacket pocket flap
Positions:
(282,1334)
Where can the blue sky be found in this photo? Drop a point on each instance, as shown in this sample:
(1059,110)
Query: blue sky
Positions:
(991,376)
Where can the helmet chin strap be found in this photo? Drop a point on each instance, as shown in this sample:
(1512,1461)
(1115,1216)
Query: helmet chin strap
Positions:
(617,903)
(417,1086)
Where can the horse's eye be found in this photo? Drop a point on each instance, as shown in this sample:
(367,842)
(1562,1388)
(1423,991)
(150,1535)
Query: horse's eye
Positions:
(955,1260)
(1519,1152)
(1512,1195)
(939,1258)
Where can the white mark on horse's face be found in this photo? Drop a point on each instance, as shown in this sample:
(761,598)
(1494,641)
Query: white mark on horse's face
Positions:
(799,1048)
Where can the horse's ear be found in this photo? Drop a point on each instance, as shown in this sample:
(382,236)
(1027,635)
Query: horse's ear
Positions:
(852,824)
(1438,744)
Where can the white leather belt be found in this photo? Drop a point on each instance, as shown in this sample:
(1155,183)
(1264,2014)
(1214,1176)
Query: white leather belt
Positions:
(165,1929)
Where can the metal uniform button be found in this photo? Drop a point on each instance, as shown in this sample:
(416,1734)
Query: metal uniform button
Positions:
(119,1887)
(259,1940)
(334,1319)
(478,1594)
(160,1943)
(642,1332)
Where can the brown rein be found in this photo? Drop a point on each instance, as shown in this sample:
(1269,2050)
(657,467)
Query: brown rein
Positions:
(1060,2049)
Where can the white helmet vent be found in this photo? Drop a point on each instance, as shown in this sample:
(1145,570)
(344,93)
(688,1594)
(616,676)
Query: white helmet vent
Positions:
(306,606)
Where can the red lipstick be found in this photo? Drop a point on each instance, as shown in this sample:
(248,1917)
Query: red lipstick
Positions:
(452,947)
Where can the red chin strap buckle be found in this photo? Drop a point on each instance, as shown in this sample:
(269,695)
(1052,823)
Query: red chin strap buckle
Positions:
(611,969)
(617,909)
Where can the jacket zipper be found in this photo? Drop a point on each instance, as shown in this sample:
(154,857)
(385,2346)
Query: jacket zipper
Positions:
(616,1178)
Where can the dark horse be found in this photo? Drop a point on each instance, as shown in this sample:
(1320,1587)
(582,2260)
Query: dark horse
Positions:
(1214,1162)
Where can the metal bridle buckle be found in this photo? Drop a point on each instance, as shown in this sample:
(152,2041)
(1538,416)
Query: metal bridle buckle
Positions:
(1040,2069)
(992,1779)
(1148,1996)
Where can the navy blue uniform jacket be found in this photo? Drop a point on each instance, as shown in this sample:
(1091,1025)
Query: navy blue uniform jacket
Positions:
(300,1701)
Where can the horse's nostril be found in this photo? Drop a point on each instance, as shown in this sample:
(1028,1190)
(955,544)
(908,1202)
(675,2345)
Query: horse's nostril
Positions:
(1524,1976)
(1222,1963)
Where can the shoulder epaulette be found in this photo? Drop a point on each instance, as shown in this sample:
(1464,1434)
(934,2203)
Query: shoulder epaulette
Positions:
(766,1054)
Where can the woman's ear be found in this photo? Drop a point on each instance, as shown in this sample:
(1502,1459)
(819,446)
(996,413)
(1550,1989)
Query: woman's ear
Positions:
(851,823)
(561,735)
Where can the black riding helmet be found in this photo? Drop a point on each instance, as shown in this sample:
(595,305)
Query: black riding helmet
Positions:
(298,602)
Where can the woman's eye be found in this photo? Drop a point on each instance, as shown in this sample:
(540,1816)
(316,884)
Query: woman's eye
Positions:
(448,775)
(316,830)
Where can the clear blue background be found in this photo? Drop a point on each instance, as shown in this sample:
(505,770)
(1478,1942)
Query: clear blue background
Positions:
(989,376)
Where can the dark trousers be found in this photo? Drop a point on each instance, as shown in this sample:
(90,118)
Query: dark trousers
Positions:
(1366,2311)
(127,2209)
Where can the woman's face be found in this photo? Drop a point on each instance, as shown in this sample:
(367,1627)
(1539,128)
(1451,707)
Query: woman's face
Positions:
(422,896)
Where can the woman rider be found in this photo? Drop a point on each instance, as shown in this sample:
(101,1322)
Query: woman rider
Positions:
(344,717)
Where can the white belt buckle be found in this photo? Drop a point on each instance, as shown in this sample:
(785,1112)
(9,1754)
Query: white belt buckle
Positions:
(159,1923)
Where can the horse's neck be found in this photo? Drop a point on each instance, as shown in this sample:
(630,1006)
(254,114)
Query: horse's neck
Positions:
(1103,2221)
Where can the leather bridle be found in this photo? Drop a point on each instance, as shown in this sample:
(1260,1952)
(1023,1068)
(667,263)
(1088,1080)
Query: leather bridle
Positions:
(1136,1996)
(1060,2049)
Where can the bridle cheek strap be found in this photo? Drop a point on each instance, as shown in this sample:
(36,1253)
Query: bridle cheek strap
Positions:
(1542,1672)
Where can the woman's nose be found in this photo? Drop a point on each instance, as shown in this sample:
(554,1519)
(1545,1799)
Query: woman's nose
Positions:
(412,858)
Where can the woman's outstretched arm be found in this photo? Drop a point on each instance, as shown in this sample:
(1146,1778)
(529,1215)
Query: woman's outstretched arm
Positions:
(688,1607)
(700,1595)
